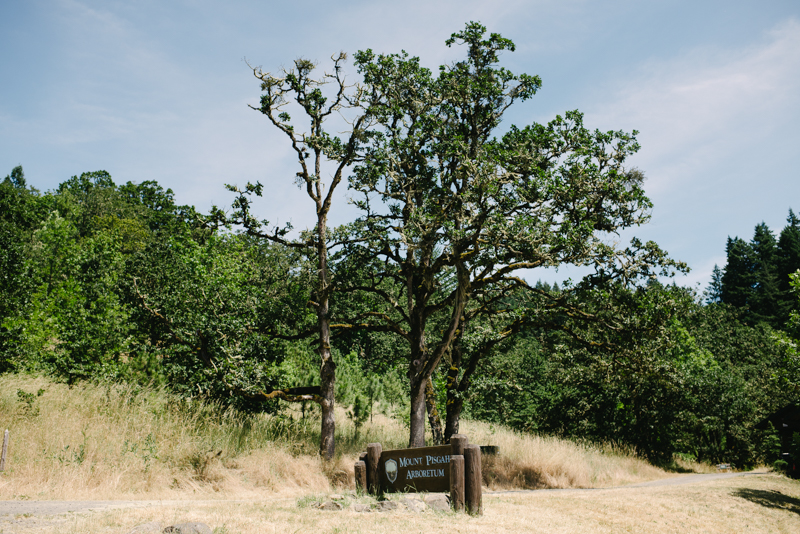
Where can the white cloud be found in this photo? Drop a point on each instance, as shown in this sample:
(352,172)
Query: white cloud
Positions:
(708,104)
(719,139)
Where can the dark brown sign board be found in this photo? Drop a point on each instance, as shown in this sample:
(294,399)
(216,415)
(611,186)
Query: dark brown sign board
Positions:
(421,469)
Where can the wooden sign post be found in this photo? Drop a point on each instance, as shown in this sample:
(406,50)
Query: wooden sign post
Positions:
(457,482)
(373,465)
(5,451)
(454,468)
(421,469)
(361,476)
(472,479)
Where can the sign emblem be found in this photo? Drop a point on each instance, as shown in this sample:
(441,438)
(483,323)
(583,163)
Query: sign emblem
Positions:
(391,470)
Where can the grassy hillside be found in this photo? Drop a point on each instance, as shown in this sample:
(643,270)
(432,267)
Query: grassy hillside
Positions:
(118,441)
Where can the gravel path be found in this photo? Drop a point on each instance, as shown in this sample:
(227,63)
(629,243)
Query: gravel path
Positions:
(692,479)
(48,508)
(679,480)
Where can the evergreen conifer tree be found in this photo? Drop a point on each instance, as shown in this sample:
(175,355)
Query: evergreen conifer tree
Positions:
(738,278)
(787,262)
(713,293)
(764,303)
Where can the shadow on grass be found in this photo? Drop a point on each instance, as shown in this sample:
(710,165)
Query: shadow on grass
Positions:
(685,465)
(673,467)
(770,499)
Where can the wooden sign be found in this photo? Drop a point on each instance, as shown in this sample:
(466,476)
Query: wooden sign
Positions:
(421,469)
(454,468)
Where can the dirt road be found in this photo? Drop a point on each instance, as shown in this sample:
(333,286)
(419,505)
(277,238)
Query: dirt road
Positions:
(678,480)
(47,508)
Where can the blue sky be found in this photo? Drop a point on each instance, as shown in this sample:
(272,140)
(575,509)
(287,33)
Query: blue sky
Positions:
(154,90)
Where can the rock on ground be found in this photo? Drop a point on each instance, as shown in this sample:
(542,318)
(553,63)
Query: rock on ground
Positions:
(386,506)
(330,505)
(413,505)
(438,501)
(188,528)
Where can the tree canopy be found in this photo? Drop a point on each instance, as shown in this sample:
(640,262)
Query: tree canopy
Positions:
(451,213)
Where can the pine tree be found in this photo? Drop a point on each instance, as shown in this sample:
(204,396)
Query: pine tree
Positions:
(713,293)
(738,278)
(788,261)
(764,304)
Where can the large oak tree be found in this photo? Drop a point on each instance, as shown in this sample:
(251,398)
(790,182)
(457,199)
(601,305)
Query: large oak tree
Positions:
(322,161)
(453,212)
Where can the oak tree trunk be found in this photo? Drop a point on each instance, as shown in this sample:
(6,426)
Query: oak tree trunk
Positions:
(433,413)
(454,403)
(453,416)
(417,422)
(327,444)
(327,374)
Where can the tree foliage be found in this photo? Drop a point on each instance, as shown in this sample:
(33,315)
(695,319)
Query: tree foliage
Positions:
(462,211)
(315,148)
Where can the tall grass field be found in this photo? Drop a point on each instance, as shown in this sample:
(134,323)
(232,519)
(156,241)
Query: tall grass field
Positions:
(119,441)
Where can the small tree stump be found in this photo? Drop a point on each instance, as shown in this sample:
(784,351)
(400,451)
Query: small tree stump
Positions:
(472,479)
(361,476)
(373,459)
(457,482)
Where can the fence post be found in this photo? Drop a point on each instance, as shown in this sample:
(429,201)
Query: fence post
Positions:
(5,451)
(361,476)
(472,479)
(457,482)
(363,458)
(457,443)
(373,459)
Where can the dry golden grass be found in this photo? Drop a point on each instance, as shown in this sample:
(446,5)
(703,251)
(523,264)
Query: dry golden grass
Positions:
(534,462)
(752,504)
(124,442)
(95,442)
